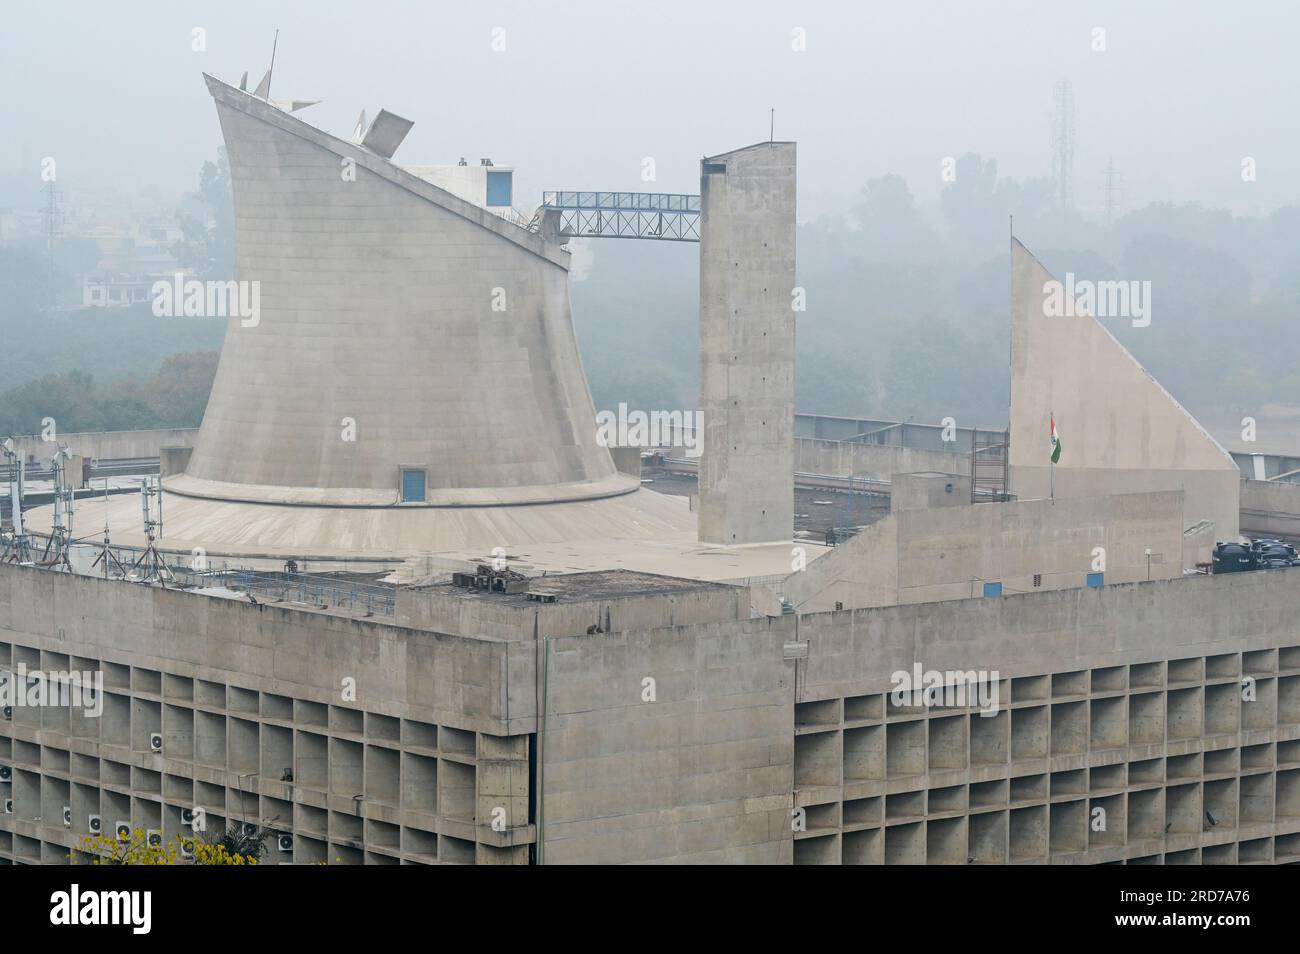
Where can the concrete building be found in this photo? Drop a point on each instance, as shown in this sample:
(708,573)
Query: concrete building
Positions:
(638,720)
(971,680)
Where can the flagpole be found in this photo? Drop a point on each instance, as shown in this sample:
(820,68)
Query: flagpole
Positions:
(1052,462)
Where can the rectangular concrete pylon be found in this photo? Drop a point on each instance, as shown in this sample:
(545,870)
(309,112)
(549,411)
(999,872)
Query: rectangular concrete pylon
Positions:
(747,255)
(1120,431)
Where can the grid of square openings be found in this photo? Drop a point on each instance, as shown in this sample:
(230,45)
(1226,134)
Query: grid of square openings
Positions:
(344,785)
(1192,760)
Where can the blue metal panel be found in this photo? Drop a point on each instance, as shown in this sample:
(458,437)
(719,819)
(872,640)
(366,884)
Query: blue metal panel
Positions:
(993,589)
(500,188)
(413,485)
(1095,580)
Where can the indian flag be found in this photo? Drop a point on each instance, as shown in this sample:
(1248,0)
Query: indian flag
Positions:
(1056,442)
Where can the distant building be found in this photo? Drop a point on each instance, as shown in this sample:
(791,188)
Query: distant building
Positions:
(115,291)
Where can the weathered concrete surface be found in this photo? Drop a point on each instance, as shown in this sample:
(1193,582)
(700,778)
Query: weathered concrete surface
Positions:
(173,460)
(921,556)
(1121,432)
(700,774)
(445,679)
(874,461)
(377,305)
(747,257)
(399,327)
(1061,631)
(108,445)
(675,743)
(704,773)
(620,600)
(392,533)
(1270,507)
(927,491)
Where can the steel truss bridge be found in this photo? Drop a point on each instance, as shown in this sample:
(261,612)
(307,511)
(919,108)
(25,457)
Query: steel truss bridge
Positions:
(668,217)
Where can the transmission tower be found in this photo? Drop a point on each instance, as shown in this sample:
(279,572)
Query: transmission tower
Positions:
(51,216)
(1063,143)
(1112,188)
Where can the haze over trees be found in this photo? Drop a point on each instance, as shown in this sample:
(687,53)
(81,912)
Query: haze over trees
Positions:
(907,317)
(909,312)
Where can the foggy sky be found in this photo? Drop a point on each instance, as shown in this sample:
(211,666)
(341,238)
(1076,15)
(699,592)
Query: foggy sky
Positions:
(585,90)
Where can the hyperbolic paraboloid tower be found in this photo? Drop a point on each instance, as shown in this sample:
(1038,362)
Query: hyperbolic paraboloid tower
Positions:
(440,329)
(411,379)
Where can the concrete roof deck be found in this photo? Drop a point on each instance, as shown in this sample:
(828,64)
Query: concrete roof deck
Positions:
(578,587)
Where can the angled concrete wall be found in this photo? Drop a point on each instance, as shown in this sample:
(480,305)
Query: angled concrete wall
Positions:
(923,556)
(747,239)
(1121,432)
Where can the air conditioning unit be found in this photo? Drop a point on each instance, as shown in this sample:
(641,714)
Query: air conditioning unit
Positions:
(67,816)
(9,806)
(286,842)
(153,838)
(187,816)
(187,848)
(155,742)
(95,825)
(123,830)
(250,830)
(6,773)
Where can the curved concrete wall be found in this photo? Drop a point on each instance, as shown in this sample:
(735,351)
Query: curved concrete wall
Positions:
(376,304)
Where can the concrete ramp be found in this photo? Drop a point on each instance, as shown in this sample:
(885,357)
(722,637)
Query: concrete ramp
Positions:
(1120,431)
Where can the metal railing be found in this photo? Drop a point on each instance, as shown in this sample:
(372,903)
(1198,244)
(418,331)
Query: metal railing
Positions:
(319,591)
(323,592)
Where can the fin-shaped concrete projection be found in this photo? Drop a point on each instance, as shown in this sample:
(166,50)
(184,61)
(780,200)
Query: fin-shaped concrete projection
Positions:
(1120,431)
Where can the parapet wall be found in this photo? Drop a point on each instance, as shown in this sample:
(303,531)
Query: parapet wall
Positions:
(395,670)
(1270,507)
(921,556)
(109,445)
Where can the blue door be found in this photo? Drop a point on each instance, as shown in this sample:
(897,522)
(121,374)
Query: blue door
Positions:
(413,485)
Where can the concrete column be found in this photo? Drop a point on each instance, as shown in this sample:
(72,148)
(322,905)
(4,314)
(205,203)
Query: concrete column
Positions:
(747,259)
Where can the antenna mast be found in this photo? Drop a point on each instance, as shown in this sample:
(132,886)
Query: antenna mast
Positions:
(17,546)
(271,72)
(151,563)
(1063,144)
(58,545)
(51,216)
(1112,188)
